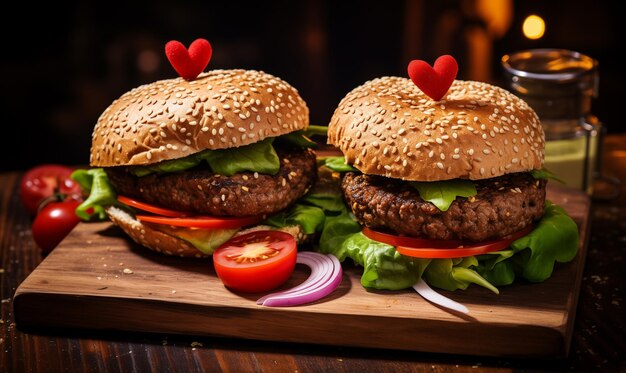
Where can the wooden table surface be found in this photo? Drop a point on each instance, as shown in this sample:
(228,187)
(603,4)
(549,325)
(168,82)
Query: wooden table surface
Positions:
(599,340)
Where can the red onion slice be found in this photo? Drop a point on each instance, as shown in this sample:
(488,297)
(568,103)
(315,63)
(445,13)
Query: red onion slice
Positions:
(325,277)
(432,296)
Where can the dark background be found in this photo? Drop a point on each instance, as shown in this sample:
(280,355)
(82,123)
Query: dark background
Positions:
(64,64)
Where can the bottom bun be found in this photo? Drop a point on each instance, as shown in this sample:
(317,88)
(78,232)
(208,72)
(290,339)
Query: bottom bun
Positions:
(151,238)
(163,243)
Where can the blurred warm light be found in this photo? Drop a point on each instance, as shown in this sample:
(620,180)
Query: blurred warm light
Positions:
(533,27)
(148,61)
(497,15)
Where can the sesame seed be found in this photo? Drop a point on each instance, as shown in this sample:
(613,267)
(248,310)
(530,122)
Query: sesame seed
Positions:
(440,165)
(245,188)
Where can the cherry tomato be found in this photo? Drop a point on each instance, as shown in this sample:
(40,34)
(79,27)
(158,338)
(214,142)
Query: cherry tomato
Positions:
(209,222)
(257,261)
(55,221)
(150,208)
(43,181)
(424,248)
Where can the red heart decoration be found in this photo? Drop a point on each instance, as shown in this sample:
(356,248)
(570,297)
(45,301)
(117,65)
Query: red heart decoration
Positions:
(434,81)
(189,63)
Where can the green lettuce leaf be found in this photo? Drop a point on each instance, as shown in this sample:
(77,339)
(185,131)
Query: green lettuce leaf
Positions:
(205,240)
(443,193)
(338,229)
(310,218)
(383,267)
(258,157)
(325,200)
(338,164)
(101,194)
(496,269)
(453,274)
(545,174)
(172,165)
(555,239)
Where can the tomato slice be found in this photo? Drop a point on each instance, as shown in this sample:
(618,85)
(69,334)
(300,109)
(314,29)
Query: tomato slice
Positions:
(150,208)
(198,221)
(433,249)
(257,261)
(394,240)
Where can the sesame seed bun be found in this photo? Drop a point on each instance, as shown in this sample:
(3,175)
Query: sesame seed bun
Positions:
(388,127)
(173,118)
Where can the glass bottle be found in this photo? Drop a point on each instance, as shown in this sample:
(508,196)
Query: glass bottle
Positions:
(560,85)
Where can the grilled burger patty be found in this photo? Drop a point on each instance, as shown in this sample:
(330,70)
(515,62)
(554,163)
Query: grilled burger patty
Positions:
(503,205)
(204,192)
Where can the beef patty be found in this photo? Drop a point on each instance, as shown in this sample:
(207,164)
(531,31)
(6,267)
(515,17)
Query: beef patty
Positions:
(204,192)
(503,205)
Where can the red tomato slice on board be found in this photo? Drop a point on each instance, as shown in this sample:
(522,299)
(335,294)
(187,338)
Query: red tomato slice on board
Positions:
(257,261)
(144,206)
(434,249)
(393,240)
(43,181)
(198,221)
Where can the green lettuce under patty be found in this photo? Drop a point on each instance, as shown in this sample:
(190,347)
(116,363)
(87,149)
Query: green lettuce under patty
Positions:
(532,257)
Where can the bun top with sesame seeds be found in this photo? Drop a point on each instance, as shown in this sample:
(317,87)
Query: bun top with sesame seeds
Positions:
(388,127)
(173,118)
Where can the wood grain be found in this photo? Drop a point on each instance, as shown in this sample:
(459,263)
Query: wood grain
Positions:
(82,284)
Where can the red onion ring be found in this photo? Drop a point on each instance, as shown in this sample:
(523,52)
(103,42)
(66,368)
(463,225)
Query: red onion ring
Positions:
(325,277)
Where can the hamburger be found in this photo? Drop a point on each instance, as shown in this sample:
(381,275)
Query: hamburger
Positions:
(449,191)
(229,144)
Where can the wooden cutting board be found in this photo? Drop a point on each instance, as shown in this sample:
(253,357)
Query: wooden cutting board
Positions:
(99,279)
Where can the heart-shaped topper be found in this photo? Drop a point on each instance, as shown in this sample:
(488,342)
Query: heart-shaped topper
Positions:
(434,81)
(189,63)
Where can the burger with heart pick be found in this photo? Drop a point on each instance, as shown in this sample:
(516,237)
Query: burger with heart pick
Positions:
(182,165)
(444,184)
